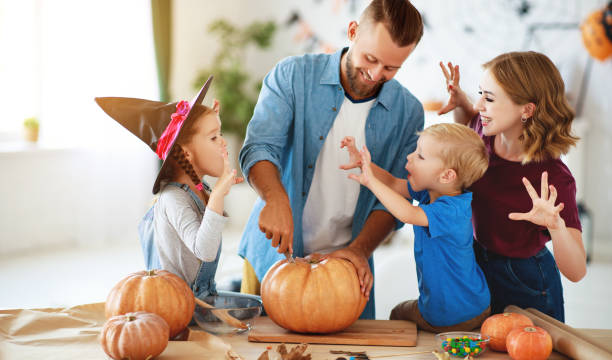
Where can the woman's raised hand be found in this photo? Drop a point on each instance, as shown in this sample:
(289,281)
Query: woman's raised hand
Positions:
(544,212)
(457,95)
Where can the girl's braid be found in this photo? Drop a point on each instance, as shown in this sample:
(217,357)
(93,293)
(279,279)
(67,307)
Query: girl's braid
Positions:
(179,156)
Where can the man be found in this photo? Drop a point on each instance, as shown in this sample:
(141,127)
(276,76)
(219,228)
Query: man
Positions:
(291,155)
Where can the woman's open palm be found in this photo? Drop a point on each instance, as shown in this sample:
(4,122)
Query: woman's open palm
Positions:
(544,212)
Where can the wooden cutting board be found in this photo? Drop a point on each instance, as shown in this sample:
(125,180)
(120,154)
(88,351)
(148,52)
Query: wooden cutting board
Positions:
(362,332)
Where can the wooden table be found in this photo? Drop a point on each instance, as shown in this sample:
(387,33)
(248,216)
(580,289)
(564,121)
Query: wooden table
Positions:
(72,333)
(425,342)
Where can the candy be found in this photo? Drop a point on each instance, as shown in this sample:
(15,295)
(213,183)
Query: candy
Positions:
(463,346)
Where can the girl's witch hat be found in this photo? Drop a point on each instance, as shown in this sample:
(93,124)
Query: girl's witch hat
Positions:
(157,124)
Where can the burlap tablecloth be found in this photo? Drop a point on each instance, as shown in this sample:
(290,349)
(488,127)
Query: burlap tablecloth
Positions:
(72,333)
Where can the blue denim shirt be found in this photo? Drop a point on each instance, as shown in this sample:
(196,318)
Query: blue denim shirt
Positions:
(297,106)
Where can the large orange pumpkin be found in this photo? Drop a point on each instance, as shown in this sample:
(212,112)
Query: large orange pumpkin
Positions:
(135,336)
(156,291)
(498,326)
(311,296)
(529,343)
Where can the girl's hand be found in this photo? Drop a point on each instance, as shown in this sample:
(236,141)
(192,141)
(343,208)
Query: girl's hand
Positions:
(366,176)
(544,211)
(354,156)
(227,179)
(457,96)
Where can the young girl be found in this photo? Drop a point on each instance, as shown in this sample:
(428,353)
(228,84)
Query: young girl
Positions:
(525,121)
(188,218)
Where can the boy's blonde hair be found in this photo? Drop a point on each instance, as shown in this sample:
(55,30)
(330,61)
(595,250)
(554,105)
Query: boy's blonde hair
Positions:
(463,151)
(530,77)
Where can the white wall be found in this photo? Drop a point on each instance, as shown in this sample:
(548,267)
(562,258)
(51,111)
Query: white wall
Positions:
(88,181)
(62,197)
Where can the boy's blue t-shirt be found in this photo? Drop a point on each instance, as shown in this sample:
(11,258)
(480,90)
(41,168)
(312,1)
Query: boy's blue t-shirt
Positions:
(452,287)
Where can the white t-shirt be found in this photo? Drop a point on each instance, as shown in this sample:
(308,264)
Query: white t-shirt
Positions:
(330,206)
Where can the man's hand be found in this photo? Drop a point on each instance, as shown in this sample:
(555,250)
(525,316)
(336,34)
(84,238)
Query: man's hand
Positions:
(276,221)
(276,218)
(360,261)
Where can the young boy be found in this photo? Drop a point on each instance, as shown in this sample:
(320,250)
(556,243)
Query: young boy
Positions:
(449,157)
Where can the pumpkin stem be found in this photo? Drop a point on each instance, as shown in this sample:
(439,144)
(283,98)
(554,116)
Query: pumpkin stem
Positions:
(130,317)
(150,272)
(530,329)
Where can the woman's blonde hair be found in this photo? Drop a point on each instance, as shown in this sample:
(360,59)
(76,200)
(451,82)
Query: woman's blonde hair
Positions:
(530,77)
(177,158)
(463,151)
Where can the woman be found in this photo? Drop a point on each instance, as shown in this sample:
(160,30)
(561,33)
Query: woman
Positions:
(525,121)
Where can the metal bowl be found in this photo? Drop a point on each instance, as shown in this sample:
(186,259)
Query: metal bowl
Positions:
(243,307)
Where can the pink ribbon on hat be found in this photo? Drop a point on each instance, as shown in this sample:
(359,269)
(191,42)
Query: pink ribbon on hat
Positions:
(170,133)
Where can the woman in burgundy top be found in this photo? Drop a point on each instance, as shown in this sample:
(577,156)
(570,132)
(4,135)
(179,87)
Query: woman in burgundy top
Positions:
(525,121)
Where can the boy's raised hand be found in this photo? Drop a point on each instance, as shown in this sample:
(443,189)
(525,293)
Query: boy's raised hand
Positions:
(354,156)
(366,175)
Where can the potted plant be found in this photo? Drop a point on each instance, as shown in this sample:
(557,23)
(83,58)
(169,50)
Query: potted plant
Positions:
(30,126)
(233,86)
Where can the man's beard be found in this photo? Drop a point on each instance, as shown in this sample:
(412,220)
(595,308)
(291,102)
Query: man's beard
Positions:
(357,86)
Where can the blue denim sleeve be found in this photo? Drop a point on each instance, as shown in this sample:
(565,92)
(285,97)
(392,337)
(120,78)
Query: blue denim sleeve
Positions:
(417,119)
(268,131)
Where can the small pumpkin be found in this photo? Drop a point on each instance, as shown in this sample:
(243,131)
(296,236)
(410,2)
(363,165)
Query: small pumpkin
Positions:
(529,343)
(156,291)
(135,336)
(498,326)
(312,295)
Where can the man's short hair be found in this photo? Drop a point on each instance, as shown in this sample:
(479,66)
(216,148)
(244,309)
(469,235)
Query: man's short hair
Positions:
(400,18)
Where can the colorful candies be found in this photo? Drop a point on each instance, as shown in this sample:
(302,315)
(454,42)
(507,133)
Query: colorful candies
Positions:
(463,346)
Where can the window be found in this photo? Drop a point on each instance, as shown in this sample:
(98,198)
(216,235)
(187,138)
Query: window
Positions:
(59,55)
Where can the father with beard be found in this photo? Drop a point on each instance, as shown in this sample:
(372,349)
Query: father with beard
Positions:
(292,154)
